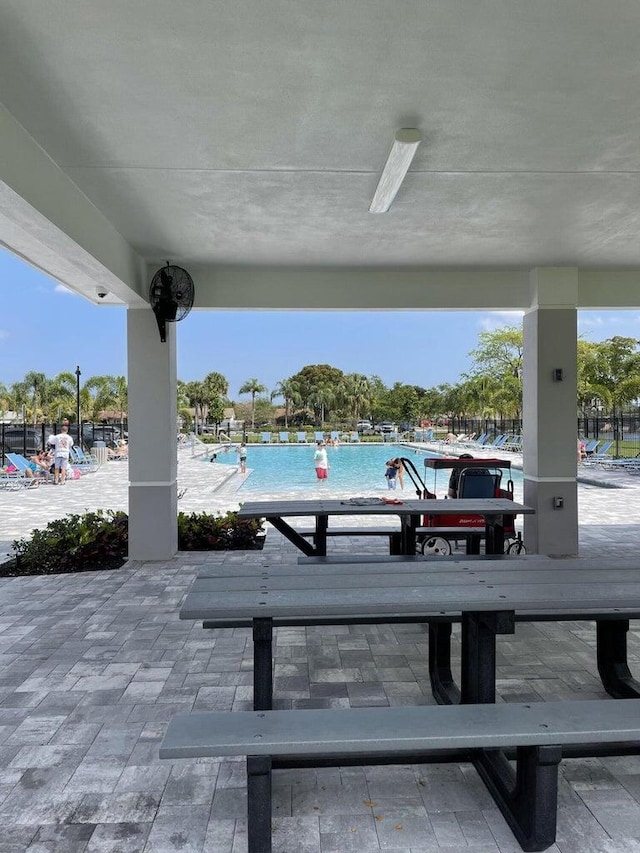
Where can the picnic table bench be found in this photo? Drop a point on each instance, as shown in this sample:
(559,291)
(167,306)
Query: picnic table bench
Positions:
(308,738)
(472,537)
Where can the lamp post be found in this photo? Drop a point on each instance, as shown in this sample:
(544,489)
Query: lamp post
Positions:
(78,374)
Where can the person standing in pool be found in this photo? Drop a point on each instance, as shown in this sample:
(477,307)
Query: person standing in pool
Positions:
(242,456)
(321,461)
(395,470)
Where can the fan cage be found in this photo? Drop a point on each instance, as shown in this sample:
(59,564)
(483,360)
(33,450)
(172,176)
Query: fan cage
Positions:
(180,290)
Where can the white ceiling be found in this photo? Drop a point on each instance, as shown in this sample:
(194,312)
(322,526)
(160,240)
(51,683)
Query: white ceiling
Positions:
(253,132)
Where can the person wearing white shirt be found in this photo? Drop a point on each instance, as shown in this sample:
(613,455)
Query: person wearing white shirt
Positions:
(62,444)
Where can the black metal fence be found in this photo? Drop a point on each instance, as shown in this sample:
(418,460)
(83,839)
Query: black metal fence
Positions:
(28,439)
(622,429)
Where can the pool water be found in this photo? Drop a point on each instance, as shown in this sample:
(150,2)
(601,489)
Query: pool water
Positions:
(356,469)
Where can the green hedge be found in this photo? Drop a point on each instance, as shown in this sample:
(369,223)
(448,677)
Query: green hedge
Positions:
(99,540)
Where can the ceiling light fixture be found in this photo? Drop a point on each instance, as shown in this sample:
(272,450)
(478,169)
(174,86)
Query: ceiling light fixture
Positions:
(404,147)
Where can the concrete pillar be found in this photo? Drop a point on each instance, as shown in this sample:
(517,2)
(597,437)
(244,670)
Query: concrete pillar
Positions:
(549,412)
(153,501)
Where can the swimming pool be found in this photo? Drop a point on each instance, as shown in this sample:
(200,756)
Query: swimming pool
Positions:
(354,469)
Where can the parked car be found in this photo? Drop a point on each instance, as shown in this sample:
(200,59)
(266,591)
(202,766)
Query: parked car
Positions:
(109,433)
(19,440)
(386,426)
(363,425)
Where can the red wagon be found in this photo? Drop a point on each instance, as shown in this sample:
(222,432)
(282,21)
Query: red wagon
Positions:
(469,478)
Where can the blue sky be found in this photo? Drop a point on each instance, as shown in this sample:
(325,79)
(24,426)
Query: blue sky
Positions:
(45,327)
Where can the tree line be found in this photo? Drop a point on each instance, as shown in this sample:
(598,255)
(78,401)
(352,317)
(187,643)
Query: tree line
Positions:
(43,399)
(608,380)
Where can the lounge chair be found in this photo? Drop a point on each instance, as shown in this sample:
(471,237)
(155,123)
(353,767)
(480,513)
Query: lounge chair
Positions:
(498,441)
(600,455)
(319,436)
(85,463)
(590,446)
(9,482)
(514,444)
(265,437)
(283,437)
(354,437)
(477,442)
(335,435)
(20,475)
(301,437)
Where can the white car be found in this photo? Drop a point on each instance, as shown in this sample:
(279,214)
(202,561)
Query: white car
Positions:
(364,425)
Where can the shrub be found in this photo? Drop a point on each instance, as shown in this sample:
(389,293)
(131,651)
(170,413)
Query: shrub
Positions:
(76,543)
(99,540)
(204,532)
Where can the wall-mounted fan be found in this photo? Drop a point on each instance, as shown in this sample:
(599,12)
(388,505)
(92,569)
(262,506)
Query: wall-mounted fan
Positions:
(171,296)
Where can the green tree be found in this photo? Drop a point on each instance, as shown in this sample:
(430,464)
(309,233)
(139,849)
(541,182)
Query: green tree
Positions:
(317,385)
(288,390)
(32,393)
(253,386)
(499,357)
(356,394)
(108,392)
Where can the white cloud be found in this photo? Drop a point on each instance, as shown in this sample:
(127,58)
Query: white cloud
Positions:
(498,319)
(60,288)
(590,322)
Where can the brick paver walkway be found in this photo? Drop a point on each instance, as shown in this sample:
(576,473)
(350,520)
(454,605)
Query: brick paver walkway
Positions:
(92,666)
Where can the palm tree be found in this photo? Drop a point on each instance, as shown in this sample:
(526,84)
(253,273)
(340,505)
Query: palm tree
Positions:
(288,389)
(253,387)
(357,394)
(321,399)
(61,396)
(33,393)
(110,393)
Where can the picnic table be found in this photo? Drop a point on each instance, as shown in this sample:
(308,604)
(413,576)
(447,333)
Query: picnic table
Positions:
(409,512)
(487,596)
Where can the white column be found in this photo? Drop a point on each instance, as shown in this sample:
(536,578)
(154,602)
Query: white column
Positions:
(153,502)
(549,412)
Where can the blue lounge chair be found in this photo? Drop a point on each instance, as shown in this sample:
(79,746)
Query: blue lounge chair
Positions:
(354,437)
(84,462)
(600,455)
(514,444)
(319,436)
(20,476)
(265,437)
(335,435)
(590,446)
(301,437)
(283,437)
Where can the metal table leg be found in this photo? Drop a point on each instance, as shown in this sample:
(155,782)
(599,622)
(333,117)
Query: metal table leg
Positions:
(612,659)
(263,664)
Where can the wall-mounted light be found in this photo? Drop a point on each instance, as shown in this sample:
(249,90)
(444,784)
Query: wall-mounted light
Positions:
(558,374)
(402,151)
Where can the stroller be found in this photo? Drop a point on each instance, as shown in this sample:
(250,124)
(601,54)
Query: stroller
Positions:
(469,478)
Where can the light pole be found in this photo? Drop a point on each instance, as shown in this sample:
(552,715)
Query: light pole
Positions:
(78,405)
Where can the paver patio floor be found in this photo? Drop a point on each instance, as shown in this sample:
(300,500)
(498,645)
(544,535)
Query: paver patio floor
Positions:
(92,666)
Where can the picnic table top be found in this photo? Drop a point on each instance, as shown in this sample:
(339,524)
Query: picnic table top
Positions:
(362,591)
(382,506)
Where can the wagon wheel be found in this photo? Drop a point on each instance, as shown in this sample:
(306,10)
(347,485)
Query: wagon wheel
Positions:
(436,545)
(514,546)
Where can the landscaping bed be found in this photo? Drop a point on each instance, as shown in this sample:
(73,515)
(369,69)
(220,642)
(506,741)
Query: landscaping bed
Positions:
(98,541)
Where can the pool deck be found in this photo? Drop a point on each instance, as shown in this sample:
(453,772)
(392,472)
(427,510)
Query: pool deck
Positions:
(95,664)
